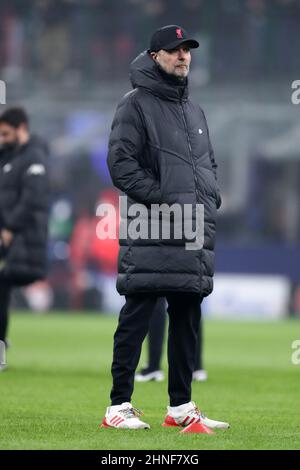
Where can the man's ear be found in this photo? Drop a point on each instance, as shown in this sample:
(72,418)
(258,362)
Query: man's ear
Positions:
(153,55)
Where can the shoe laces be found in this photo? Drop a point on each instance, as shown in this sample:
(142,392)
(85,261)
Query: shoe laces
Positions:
(131,413)
(200,414)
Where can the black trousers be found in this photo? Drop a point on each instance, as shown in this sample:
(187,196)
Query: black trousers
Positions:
(156,338)
(5,291)
(133,326)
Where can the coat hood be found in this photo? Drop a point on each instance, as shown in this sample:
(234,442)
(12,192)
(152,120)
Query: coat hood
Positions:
(145,73)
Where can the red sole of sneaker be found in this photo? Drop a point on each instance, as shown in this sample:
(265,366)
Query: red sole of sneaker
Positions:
(165,425)
(104,424)
(169,422)
(197,428)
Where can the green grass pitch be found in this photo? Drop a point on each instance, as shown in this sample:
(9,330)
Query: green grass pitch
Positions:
(54,393)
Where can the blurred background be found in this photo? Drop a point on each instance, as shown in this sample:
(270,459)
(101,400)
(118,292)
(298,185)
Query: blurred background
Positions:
(67,62)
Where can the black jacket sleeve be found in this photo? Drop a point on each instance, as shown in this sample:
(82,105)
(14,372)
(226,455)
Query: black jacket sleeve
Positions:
(213,163)
(33,194)
(126,144)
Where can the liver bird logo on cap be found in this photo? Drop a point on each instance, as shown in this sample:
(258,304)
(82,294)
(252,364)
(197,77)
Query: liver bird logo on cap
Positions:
(179,33)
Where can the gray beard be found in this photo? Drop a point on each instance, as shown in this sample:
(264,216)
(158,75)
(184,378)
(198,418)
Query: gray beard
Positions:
(172,76)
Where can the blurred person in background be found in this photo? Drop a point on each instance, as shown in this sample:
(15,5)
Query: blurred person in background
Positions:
(80,242)
(23,208)
(156,334)
(160,152)
(104,254)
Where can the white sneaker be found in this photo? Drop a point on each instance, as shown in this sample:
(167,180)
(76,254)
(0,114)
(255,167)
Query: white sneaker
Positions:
(145,376)
(3,367)
(188,413)
(123,416)
(200,375)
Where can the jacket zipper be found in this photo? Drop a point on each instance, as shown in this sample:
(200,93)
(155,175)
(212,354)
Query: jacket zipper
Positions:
(190,153)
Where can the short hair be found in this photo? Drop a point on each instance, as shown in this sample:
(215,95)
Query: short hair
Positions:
(14,117)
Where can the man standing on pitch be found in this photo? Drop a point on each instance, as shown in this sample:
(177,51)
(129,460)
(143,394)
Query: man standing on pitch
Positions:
(23,208)
(160,153)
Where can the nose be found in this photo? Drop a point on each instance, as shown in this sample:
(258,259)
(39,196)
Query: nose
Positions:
(182,53)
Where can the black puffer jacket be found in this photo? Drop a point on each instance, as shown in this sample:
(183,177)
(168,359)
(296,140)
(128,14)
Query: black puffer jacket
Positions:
(24,211)
(160,152)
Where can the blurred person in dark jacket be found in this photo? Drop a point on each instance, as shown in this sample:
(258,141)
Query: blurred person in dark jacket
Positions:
(23,207)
